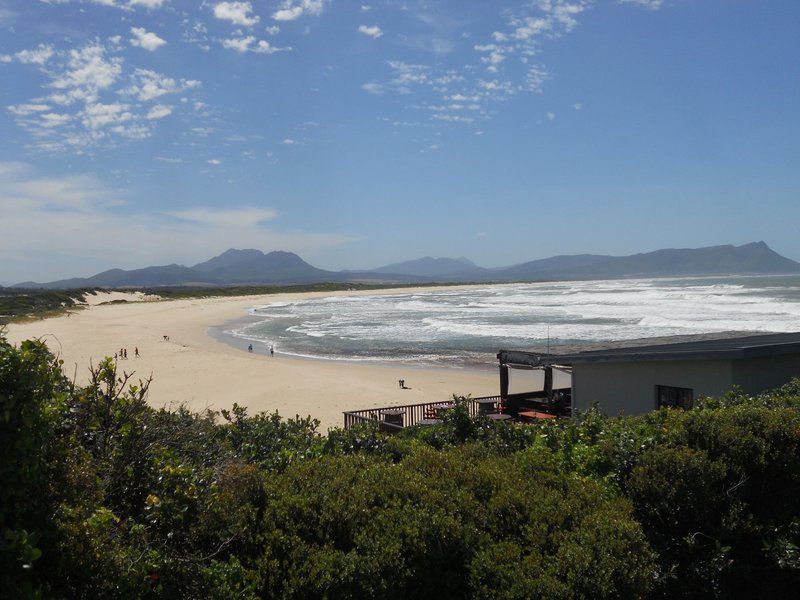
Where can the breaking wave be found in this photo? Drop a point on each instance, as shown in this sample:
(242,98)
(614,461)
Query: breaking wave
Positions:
(457,325)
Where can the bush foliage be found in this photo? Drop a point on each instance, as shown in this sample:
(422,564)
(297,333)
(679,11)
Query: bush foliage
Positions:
(103,496)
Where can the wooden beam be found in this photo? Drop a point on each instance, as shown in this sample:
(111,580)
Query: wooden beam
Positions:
(503,381)
(548,381)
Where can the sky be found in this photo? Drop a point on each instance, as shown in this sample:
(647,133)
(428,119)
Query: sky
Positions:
(141,132)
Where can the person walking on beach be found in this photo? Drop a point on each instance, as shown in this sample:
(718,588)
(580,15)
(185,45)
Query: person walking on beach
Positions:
(136,351)
(272,350)
(250,348)
(125,353)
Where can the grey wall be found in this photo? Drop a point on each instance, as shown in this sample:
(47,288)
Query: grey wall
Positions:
(630,387)
(532,380)
(759,374)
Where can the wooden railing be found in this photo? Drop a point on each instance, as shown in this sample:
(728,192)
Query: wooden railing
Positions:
(412,413)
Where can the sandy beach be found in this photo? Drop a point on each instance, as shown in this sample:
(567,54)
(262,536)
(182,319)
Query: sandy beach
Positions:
(194,369)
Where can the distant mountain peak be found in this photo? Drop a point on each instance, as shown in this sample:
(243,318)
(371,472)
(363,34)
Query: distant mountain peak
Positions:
(230,257)
(427,266)
(254,267)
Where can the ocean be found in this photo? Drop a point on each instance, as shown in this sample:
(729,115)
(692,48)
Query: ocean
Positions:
(467,326)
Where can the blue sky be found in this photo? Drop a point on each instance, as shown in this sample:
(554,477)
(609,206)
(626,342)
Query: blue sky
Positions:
(137,132)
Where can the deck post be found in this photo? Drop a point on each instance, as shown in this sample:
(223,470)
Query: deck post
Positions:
(503,381)
(548,381)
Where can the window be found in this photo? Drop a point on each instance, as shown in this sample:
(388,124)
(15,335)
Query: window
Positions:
(674,397)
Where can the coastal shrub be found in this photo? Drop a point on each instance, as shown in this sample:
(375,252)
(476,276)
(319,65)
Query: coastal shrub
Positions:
(436,524)
(104,496)
(720,500)
(32,394)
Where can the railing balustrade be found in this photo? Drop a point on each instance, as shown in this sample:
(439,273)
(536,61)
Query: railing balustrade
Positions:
(412,413)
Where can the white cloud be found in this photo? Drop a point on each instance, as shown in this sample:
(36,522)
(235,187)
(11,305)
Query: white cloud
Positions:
(196,34)
(146,39)
(24,110)
(127,5)
(238,44)
(294,9)
(88,72)
(149,85)
(241,217)
(374,88)
(98,116)
(551,116)
(250,44)
(21,187)
(83,107)
(264,47)
(372,31)
(80,220)
(238,13)
(273,30)
(151,4)
(49,120)
(535,78)
(40,55)
(290,142)
(159,111)
(577,106)
(651,4)
(214,161)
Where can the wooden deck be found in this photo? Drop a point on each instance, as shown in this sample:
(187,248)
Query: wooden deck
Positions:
(395,418)
(410,416)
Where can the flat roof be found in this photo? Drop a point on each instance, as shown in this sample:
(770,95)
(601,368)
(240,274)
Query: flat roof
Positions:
(753,346)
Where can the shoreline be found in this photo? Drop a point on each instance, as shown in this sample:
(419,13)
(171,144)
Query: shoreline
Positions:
(196,369)
(221,334)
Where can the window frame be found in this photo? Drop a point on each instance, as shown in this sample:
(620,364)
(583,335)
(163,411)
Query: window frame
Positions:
(680,397)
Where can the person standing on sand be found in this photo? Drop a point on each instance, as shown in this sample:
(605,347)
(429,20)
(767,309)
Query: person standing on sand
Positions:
(125,353)
(272,350)
(136,351)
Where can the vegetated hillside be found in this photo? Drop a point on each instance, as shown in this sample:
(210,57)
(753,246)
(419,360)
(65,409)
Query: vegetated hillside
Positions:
(253,267)
(754,258)
(273,267)
(433,267)
(118,278)
(17,303)
(103,496)
(229,258)
(233,267)
(553,267)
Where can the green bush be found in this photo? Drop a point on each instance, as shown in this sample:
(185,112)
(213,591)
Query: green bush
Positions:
(103,496)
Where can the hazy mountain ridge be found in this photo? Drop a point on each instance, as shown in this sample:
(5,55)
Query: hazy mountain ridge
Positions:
(239,267)
(429,267)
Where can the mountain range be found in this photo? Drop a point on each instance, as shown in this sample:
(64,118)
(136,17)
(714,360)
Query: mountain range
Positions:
(253,267)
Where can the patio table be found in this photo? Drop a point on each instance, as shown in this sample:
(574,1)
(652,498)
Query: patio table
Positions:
(532,415)
(498,417)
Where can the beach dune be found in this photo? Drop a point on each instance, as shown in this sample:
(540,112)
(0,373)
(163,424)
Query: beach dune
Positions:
(196,370)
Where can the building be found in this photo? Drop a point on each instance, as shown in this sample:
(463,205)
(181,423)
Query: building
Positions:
(638,379)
